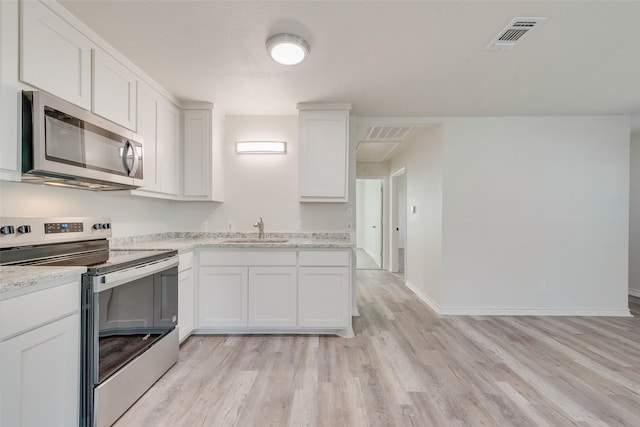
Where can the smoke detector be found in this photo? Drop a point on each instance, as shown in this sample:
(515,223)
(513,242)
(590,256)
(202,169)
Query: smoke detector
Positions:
(515,32)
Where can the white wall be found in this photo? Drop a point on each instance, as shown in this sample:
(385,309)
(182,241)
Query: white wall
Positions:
(130,215)
(422,158)
(536,199)
(634,217)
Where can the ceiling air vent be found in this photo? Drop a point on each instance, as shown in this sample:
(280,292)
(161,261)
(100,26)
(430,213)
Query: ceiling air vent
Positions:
(386,133)
(513,33)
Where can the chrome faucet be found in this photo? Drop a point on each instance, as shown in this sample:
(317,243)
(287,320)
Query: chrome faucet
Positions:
(260,226)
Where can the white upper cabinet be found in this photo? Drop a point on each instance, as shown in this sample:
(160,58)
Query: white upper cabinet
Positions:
(146,127)
(323,167)
(197,153)
(158,122)
(114,90)
(202,163)
(168,154)
(54,56)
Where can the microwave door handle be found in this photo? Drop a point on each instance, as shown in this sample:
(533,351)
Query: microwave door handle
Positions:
(134,167)
(128,146)
(125,153)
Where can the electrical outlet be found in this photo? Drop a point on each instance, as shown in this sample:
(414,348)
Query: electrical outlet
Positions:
(231,226)
(542,286)
(299,225)
(349,212)
(349,226)
(204,227)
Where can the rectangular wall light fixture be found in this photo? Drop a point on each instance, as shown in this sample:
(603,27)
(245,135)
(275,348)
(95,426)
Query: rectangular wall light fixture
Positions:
(261,147)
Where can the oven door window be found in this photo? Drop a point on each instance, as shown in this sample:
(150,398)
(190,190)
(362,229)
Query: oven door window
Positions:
(132,317)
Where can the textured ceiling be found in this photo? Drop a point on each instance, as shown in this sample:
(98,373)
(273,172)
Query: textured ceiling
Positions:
(387,58)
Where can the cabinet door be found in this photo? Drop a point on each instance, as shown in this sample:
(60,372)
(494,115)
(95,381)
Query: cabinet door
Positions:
(323,297)
(272,296)
(158,122)
(196,164)
(40,376)
(222,297)
(10,95)
(185,303)
(324,155)
(114,90)
(146,127)
(54,56)
(168,154)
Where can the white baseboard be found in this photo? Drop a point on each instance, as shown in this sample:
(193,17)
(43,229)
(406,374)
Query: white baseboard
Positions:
(634,292)
(533,311)
(524,311)
(423,297)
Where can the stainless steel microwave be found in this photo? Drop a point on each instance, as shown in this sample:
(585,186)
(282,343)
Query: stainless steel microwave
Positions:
(62,144)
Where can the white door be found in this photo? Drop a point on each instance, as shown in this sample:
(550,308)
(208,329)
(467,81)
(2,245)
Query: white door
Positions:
(369,206)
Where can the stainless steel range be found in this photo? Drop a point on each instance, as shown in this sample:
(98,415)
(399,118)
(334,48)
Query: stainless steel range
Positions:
(129,306)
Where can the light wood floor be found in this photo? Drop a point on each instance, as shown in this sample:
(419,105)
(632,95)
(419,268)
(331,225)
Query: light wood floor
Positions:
(408,367)
(365,261)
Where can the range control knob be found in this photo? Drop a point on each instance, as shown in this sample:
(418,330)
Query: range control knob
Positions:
(97,226)
(24,229)
(106,226)
(7,229)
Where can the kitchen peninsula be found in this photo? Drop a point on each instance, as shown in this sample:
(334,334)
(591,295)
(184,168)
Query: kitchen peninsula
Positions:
(236,283)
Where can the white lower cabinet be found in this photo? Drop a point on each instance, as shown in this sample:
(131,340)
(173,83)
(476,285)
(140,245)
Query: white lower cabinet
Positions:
(222,298)
(272,297)
(40,375)
(323,297)
(286,291)
(186,296)
(40,358)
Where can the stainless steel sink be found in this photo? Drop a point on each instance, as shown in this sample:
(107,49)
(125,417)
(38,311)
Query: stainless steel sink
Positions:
(255,240)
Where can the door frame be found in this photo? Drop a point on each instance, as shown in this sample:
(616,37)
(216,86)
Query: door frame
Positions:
(393,234)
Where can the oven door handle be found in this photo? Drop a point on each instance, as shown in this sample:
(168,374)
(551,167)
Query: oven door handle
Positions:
(117,278)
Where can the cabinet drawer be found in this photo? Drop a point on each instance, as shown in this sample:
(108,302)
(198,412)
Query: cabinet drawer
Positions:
(27,311)
(247,258)
(320,258)
(185,261)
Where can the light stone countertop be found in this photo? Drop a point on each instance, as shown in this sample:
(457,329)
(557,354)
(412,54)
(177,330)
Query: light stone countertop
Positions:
(183,242)
(16,280)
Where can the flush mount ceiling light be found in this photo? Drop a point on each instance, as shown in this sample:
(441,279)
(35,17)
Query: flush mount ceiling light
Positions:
(287,49)
(261,147)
